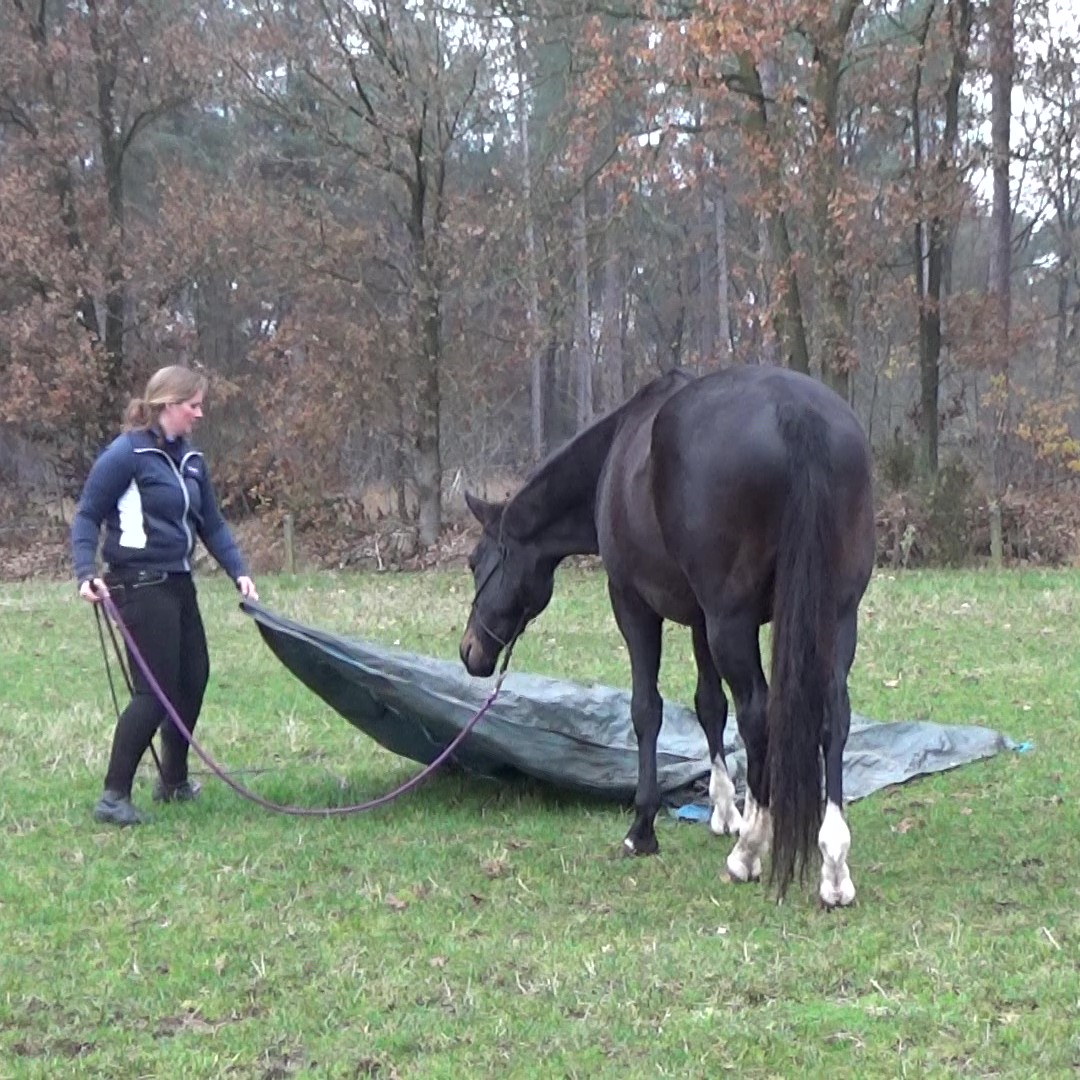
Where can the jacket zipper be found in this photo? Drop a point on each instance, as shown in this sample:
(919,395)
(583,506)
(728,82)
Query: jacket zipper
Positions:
(179,474)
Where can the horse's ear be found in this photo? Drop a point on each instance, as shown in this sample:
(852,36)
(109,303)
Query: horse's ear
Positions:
(486,513)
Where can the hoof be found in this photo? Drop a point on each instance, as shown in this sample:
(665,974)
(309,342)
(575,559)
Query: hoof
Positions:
(834,896)
(742,870)
(632,848)
(729,824)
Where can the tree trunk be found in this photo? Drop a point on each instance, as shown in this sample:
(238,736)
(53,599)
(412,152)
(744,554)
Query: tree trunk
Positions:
(791,326)
(85,307)
(112,154)
(215,321)
(1064,277)
(583,359)
(1002,64)
(534,345)
(428,460)
(838,359)
(928,312)
(767,344)
(726,343)
(706,295)
(932,236)
(425,224)
(611,351)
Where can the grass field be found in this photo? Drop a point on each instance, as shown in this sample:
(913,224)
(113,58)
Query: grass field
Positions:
(476,930)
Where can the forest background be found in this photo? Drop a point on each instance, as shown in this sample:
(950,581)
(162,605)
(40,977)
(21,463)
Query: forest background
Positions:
(417,245)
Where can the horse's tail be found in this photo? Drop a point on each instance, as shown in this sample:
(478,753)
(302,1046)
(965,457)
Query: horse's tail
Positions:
(803,644)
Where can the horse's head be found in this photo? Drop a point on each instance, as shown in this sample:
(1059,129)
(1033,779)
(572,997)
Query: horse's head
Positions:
(513,582)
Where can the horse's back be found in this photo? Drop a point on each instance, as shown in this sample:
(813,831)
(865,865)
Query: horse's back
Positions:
(739,409)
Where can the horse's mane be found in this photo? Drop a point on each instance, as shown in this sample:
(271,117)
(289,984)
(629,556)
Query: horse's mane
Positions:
(564,484)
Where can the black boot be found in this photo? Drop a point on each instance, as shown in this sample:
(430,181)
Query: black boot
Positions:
(185,791)
(115,808)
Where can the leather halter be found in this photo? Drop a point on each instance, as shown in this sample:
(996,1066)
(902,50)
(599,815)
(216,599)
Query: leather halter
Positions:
(474,613)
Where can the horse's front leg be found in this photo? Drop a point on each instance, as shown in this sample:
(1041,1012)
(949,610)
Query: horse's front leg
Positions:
(640,627)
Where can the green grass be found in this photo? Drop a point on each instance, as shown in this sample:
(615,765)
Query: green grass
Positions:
(477,930)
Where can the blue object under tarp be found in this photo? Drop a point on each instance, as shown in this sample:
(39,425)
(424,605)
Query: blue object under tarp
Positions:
(574,737)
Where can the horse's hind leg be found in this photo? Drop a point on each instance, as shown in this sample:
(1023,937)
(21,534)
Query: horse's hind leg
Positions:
(733,641)
(711,707)
(640,628)
(834,837)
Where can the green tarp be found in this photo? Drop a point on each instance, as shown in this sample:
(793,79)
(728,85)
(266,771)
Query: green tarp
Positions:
(575,737)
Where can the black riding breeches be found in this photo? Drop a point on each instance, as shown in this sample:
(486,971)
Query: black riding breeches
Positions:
(161,612)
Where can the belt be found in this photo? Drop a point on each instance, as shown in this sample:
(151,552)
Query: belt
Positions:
(134,579)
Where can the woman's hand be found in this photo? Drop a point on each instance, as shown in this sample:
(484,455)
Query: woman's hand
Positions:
(94,589)
(247,588)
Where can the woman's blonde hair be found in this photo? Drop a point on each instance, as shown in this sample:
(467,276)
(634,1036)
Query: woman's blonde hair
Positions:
(167,386)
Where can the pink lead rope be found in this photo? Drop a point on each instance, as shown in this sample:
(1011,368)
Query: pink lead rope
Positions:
(251,796)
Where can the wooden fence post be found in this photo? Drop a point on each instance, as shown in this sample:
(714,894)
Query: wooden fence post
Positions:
(290,548)
(995,535)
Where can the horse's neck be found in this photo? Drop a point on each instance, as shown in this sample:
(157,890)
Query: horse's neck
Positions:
(557,506)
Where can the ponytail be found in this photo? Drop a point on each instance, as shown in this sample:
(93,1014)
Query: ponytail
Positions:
(139,414)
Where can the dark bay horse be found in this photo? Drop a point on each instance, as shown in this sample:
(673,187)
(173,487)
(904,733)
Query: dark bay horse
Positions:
(721,503)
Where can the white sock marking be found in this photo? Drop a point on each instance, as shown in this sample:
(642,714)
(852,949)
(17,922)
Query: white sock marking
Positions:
(744,862)
(725,814)
(834,840)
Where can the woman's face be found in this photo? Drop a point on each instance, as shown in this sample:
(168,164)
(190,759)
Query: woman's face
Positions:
(178,419)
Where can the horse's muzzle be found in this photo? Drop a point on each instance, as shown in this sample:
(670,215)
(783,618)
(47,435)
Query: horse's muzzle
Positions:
(478,661)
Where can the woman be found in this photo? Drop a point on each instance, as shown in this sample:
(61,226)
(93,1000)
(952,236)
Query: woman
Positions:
(151,490)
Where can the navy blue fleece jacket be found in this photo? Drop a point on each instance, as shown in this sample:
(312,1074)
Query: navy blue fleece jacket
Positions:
(154,497)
